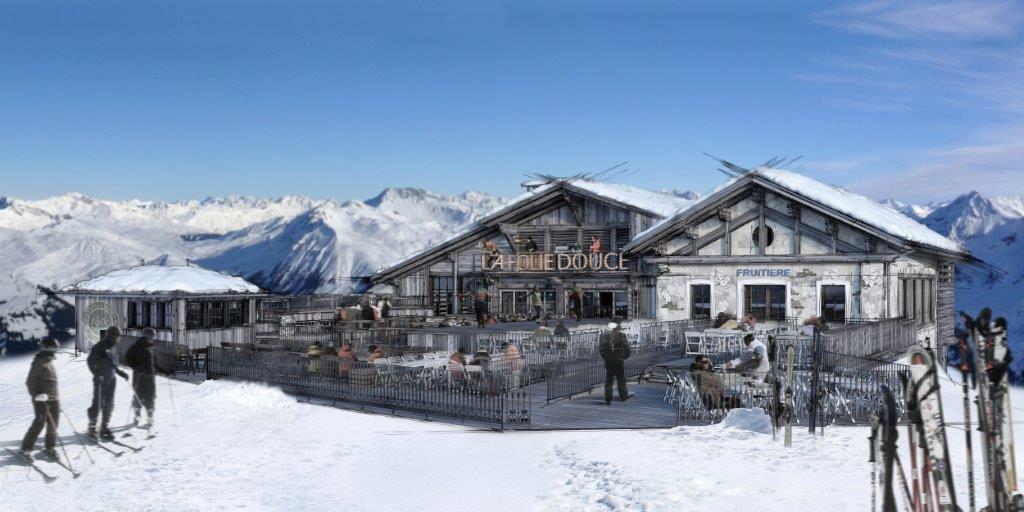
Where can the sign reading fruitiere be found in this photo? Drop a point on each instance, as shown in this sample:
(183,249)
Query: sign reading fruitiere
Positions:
(763,272)
(554,262)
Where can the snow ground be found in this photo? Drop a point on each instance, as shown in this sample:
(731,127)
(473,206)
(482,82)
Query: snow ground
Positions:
(239,446)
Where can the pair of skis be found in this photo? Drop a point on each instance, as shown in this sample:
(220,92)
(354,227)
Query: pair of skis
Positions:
(882,455)
(992,360)
(924,408)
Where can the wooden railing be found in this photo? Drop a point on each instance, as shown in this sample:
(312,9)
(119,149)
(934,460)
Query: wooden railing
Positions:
(882,338)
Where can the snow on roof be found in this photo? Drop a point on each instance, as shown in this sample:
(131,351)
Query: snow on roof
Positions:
(659,203)
(165,279)
(859,207)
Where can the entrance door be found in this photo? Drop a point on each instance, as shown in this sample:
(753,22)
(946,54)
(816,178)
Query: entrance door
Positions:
(605,304)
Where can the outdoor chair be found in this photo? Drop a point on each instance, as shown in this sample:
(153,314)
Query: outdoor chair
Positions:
(394,360)
(408,358)
(695,343)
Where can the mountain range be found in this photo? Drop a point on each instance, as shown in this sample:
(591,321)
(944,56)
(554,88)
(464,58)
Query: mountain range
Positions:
(297,245)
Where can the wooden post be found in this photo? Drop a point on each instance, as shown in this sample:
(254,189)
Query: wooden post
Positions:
(762,236)
(794,213)
(725,216)
(455,283)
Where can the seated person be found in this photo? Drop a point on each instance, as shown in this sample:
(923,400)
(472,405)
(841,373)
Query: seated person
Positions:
(481,358)
(459,356)
(561,329)
(709,385)
(727,321)
(375,354)
(753,360)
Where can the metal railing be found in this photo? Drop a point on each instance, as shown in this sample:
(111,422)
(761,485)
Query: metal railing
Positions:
(493,396)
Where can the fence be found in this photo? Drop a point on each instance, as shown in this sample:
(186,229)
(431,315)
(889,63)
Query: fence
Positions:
(490,396)
(844,396)
(872,339)
(170,358)
(582,375)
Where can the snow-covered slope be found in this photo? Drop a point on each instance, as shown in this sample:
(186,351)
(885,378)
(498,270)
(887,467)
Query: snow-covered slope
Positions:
(993,229)
(240,446)
(291,244)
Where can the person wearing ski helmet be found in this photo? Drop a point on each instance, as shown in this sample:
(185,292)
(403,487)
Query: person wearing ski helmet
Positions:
(42,387)
(103,363)
(141,360)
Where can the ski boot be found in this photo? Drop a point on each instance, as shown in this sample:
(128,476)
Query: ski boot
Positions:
(51,453)
(106,434)
(91,433)
(27,454)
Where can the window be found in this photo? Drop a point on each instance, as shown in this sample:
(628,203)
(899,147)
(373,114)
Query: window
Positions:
(214,314)
(147,314)
(441,294)
(164,315)
(194,315)
(833,303)
(236,313)
(700,301)
(766,302)
(918,298)
(130,319)
(769,236)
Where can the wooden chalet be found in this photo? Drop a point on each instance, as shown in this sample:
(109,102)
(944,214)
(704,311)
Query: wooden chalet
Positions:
(541,238)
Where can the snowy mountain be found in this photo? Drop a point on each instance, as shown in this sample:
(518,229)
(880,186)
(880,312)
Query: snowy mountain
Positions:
(287,245)
(993,229)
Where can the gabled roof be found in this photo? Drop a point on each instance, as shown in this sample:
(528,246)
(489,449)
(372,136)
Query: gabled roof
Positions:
(155,279)
(648,202)
(859,210)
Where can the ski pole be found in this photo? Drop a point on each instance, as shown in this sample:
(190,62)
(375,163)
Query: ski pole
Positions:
(49,417)
(170,395)
(964,369)
(78,436)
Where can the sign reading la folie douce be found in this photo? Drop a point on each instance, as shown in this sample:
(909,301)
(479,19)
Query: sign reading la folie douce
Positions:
(555,262)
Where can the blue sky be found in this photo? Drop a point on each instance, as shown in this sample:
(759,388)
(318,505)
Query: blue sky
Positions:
(187,99)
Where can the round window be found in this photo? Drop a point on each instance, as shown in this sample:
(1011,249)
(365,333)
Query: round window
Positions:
(769,236)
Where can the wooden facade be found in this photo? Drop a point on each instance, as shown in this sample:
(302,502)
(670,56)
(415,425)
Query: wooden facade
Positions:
(175,328)
(560,222)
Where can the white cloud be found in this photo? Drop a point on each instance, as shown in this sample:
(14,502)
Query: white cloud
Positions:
(994,165)
(981,19)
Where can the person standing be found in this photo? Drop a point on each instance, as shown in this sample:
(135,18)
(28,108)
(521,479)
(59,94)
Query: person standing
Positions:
(42,387)
(595,245)
(536,304)
(141,360)
(576,303)
(480,306)
(614,349)
(103,363)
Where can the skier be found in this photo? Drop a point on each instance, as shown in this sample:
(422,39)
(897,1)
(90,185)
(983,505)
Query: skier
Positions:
(42,387)
(140,359)
(102,363)
(753,360)
(614,349)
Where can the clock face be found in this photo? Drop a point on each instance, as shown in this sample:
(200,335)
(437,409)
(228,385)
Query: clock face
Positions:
(98,317)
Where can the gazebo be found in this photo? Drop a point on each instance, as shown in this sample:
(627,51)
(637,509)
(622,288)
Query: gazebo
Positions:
(184,304)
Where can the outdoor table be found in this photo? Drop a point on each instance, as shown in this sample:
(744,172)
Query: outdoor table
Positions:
(423,363)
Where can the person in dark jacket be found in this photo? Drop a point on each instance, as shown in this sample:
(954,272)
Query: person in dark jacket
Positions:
(614,349)
(42,387)
(140,359)
(103,363)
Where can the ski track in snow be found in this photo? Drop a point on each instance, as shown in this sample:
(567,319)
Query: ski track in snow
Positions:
(229,446)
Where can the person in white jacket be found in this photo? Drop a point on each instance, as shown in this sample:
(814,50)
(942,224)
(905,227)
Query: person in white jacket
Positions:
(753,360)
